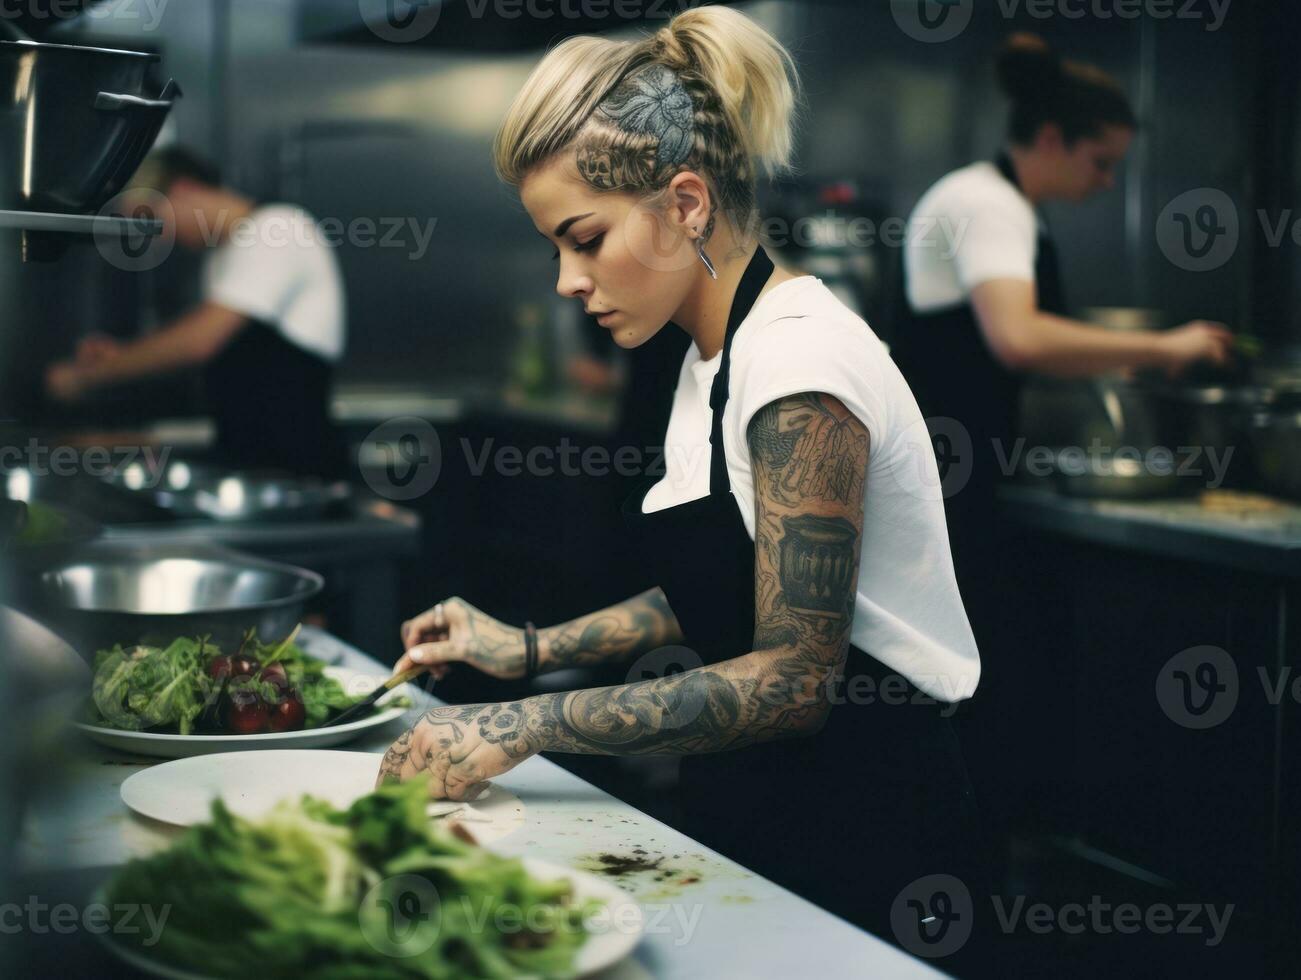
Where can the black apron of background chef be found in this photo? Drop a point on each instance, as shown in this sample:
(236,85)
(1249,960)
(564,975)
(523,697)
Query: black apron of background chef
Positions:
(846,818)
(270,400)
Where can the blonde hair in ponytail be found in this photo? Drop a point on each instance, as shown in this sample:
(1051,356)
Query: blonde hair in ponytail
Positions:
(712,92)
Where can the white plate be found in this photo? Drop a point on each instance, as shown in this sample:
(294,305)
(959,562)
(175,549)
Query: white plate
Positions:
(616,930)
(181,792)
(182,746)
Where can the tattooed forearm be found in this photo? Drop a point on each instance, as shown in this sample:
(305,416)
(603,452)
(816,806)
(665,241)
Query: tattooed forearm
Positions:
(642,623)
(746,700)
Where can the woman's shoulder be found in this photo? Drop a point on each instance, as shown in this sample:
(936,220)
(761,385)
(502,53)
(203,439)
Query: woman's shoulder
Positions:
(803,328)
(805,309)
(971,190)
(804,338)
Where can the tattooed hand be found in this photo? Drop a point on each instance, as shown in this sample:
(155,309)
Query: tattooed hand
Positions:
(461,748)
(455,631)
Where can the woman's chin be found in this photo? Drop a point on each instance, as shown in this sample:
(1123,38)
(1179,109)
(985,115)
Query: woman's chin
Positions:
(628,336)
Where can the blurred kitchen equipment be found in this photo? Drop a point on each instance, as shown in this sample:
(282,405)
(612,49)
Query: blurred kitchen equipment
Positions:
(77,125)
(34,529)
(13,518)
(1276,440)
(51,534)
(191,489)
(1078,474)
(134,600)
(840,231)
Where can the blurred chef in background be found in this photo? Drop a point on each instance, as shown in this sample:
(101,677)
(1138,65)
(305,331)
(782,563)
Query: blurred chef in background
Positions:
(983,305)
(984,302)
(267,333)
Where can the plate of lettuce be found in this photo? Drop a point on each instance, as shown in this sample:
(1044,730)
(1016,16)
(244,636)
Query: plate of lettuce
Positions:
(375,890)
(190,698)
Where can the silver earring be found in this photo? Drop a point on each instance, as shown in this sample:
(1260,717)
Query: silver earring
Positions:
(700,250)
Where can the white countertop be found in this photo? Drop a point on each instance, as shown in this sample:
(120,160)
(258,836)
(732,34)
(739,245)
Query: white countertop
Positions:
(706,916)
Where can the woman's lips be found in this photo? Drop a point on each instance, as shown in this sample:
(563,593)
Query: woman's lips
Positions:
(604,318)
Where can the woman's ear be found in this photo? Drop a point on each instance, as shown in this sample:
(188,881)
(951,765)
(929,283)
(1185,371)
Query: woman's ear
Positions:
(689,202)
(1050,138)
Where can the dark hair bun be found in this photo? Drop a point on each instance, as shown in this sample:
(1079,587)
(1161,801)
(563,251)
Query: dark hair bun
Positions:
(1026,67)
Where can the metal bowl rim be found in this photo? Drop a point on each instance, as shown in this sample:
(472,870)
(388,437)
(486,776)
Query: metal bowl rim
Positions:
(89,49)
(316,583)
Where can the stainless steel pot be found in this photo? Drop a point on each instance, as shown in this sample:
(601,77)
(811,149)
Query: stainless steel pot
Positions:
(1078,474)
(76,124)
(1276,439)
(105,601)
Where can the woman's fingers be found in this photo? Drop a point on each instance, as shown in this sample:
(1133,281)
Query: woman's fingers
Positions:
(463,781)
(429,623)
(431,654)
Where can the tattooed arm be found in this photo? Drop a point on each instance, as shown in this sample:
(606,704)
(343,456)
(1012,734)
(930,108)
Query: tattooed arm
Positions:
(809,456)
(633,627)
(455,631)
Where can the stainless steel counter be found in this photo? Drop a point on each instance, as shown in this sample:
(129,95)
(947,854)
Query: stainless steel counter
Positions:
(1267,543)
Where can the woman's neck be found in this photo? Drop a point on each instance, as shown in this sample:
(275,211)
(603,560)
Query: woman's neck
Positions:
(703,314)
(1030,175)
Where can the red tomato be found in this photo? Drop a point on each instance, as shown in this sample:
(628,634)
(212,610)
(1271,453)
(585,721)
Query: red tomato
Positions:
(247,718)
(288,715)
(219,668)
(243,667)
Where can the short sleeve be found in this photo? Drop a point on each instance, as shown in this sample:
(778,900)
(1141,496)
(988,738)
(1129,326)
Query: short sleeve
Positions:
(997,242)
(255,273)
(808,353)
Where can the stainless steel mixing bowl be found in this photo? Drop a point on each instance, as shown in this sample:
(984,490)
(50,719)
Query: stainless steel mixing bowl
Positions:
(106,601)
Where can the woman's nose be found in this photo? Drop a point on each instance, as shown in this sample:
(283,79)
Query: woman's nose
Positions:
(570,283)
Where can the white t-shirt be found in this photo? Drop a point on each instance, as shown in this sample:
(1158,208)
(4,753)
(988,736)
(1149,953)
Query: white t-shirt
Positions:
(799,337)
(276,267)
(971,227)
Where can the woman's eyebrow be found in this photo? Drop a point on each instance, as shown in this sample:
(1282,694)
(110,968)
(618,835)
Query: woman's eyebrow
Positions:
(564,225)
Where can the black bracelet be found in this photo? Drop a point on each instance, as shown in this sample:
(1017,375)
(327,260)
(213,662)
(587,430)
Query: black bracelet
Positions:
(530,650)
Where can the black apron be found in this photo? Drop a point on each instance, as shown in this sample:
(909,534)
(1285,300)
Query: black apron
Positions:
(270,400)
(846,818)
(954,376)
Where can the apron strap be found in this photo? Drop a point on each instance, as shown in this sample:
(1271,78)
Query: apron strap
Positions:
(752,281)
(1048,273)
